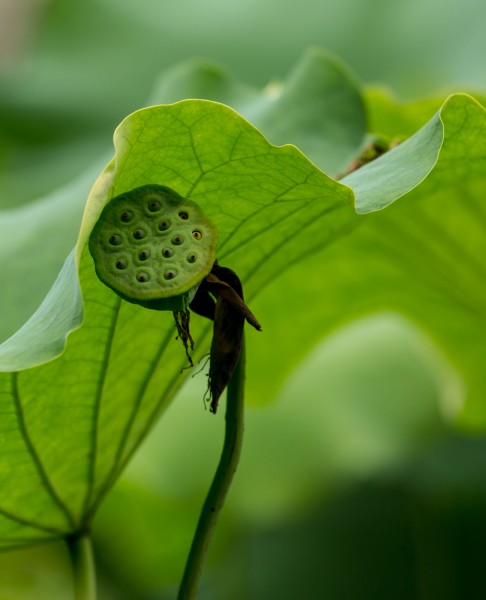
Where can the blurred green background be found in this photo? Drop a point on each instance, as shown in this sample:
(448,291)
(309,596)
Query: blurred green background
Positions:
(365,491)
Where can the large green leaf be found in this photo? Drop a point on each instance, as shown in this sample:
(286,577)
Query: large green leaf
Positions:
(319,87)
(94,403)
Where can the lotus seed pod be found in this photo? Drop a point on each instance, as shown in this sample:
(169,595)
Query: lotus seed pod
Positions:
(153,247)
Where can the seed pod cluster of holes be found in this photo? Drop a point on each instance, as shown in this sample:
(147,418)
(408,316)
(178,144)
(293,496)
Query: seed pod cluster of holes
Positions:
(153,247)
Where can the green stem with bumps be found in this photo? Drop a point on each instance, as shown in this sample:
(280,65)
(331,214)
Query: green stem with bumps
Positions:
(221,483)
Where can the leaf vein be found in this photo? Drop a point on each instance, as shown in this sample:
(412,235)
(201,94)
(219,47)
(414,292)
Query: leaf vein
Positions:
(29,523)
(276,248)
(97,403)
(113,474)
(35,455)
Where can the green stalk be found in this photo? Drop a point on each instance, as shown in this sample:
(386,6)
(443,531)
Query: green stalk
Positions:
(221,483)
(81,552)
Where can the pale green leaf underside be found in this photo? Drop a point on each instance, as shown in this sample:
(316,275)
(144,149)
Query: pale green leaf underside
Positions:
(68,426)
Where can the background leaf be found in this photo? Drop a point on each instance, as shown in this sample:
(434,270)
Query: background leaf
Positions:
(418,257)
(318,107)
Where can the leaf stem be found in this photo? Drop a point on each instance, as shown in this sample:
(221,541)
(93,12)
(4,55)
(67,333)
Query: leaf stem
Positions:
(221,483)
(81,552)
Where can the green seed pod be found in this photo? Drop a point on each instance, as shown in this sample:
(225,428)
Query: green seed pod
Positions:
(153,247)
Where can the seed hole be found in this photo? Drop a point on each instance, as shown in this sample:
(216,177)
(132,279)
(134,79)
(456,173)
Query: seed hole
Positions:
(121,264)
(126,216)
(142,277)
(183,215)
(191,258)
(139,234)
(167,252)
(177,240)
(164,225)
(170,274)
(154,205)
(144,254)
(115,240)
(197,235)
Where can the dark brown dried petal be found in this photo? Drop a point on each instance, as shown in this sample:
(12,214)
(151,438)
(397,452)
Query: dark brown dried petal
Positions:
(229,313)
